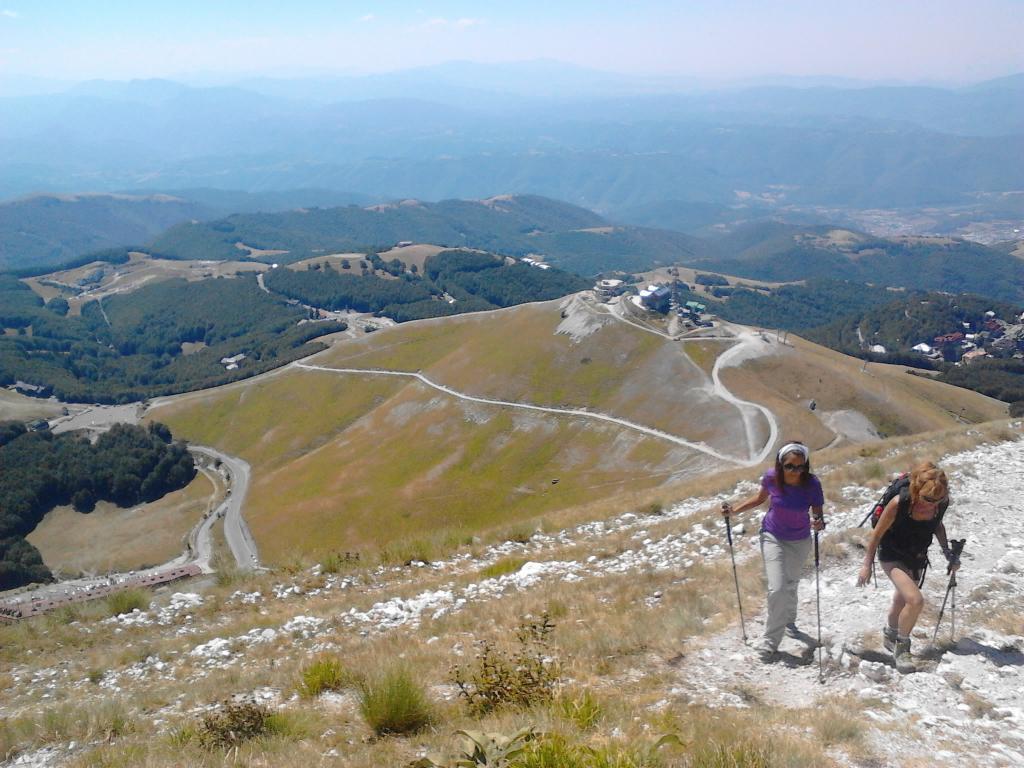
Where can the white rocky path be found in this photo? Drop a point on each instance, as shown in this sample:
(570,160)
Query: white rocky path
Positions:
(966,710)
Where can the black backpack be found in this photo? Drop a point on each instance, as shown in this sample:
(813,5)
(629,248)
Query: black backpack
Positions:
(895,489)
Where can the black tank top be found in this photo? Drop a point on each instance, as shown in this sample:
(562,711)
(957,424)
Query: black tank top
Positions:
(907,539)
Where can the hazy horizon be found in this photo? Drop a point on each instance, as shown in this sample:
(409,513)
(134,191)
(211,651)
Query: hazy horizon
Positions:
(942,42)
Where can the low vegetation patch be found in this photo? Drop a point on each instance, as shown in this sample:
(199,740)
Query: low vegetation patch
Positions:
(522,676)
(128,600)
(235,723)
(326,673)
(392,702)
(502,567)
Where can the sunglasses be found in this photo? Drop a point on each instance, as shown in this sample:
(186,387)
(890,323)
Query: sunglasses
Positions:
(795,467)
(930,500)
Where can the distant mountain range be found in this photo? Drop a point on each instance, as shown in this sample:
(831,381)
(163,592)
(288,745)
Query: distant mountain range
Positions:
(600,140)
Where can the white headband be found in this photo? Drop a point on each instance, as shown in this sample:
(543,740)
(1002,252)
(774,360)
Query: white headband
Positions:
(794,448)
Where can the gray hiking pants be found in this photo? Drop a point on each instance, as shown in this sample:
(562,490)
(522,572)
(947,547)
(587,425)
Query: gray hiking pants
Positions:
(783,563)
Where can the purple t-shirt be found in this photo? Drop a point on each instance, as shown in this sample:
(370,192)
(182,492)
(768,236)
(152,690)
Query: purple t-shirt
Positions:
(789,508)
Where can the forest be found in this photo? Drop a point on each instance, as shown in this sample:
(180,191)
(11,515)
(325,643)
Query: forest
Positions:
(164,338)
(475,280)
(39,471)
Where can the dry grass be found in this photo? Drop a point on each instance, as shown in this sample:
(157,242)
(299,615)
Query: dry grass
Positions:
(15,407)
(113,538)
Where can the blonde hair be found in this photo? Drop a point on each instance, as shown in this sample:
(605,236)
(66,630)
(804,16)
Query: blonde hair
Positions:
(926,479)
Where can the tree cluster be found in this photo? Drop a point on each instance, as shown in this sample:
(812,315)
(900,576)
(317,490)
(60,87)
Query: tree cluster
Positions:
(131,348)
(127,465)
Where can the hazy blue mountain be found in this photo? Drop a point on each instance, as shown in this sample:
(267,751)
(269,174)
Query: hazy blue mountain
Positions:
(50,230)
(601,140)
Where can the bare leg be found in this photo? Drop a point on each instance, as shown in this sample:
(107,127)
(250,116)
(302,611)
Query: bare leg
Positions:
(896,608)
(908,593)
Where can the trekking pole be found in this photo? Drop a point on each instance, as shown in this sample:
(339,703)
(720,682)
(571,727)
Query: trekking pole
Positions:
(817,600)
(956,548)
(735,578)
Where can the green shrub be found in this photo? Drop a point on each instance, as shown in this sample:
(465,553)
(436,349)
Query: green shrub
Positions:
(519,677)
(338,561)
(503,566)
(392,702)
(326,673)
(127,601)
(491,749)
(582,709)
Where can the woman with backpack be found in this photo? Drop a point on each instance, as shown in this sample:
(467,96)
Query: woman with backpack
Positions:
(794,510)
(901,537)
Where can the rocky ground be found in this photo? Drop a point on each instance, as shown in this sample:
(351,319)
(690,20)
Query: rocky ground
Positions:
(967,708)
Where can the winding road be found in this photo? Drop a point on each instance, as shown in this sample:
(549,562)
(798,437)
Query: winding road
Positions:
(237,533)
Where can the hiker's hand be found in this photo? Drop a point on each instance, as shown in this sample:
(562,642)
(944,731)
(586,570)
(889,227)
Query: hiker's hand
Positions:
(818,523)
(864,576)
(726,509)
(954,566)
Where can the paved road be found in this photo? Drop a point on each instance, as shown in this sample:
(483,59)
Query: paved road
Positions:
(237,533)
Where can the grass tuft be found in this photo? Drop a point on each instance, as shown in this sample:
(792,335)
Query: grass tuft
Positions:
(326,673)
(501,567)
(127,601)
(392,702)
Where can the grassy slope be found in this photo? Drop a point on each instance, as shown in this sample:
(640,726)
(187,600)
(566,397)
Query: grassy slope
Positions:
(15,407)
(112,538)
(356,463)
(517,356)
(895,402)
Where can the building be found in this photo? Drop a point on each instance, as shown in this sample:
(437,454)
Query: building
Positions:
(33,390)
(231,363)
(927,351)
(608,289)
(656,298)
(974,354)
(878,349)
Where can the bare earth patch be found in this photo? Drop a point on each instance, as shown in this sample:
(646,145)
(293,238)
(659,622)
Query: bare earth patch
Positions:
(112,538)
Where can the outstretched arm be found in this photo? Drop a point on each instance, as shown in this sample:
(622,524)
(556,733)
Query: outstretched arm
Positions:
(756,500)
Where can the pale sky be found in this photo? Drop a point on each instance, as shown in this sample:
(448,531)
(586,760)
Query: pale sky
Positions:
(911,40)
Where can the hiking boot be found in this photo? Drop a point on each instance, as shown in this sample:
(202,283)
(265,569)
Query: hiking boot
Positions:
(901,656)
(765,654)
(889,637)
(792,630)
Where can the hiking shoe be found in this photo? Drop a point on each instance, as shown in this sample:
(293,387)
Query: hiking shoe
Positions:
(765,654)
(792,630)
(901,656)
(889,637)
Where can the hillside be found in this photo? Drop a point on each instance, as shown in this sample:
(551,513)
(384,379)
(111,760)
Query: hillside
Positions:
(47,230)
(358,471)
(166,336)
(575,238)
(645,642)
(785,252)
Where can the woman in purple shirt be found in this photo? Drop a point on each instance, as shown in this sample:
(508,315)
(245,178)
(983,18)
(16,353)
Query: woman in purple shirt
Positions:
(795,509)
